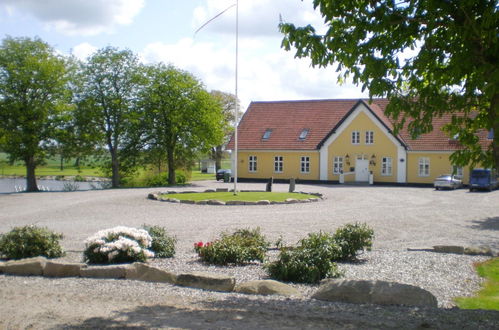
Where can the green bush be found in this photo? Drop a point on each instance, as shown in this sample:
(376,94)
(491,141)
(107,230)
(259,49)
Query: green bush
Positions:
(240,247)
(162,244)
(311,261)
(30,241)
(157,180)
(79,178)
(353,238)
(181,177)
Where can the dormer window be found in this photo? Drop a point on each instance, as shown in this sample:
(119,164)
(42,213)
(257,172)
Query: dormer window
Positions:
(267,134)
(303,134)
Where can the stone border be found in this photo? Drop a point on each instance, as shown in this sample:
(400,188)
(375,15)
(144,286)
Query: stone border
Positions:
(315,197)
(458,249)
(372,292)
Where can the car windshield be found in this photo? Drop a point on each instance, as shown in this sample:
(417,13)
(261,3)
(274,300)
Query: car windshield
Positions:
(480,174)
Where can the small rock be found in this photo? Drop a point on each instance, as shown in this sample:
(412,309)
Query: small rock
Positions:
(60,269)
(114,271)
(207,281)
(29,266)
(142,272)
(266,287)
(374,292)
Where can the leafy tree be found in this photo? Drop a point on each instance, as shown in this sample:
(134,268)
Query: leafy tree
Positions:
(112,79)
(181,117)
(430,58)
(228,103)
(33,100)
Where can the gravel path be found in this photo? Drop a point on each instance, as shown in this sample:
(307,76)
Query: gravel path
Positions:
(401,218)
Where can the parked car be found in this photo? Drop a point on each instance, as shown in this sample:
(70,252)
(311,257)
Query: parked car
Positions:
(221,173)
(448,181)
(483,179)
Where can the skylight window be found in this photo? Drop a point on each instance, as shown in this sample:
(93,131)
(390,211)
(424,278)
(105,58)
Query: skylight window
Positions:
(267,133)
(303,134)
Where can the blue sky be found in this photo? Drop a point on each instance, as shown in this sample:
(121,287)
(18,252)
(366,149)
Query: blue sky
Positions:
(163,30)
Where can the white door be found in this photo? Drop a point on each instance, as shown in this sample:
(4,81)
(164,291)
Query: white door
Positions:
(361,170)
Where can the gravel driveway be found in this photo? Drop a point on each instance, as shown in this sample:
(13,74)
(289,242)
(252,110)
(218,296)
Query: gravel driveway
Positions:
(400,217)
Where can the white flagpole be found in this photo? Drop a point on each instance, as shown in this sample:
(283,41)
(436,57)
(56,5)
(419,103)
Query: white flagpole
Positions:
(237,105)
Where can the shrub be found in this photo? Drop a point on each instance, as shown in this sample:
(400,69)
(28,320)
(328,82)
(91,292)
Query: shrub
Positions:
(353,238)
(70,186)
(79,178)
(30,241)
(181,177)
(157,180)
(310,262)
(240,247)
(118,245)
(162,244)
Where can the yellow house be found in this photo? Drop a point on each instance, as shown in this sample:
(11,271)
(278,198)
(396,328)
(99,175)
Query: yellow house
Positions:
(338,141)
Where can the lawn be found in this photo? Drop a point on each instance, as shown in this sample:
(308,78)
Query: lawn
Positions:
(241,196)
(488,296)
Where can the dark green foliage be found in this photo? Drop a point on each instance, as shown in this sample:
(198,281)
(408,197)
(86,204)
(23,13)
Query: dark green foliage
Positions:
(240,247)
(315,256)
(163,245)
(157,180)
(352,238)
(30,241)
(79,178)
(310,262)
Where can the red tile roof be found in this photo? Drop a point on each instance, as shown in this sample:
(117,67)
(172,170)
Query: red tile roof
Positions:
(287,119)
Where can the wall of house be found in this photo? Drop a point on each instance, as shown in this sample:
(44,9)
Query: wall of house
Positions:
(383,146)
(265,164)
(439,164)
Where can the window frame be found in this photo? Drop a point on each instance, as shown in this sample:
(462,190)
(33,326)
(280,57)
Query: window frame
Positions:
(337,165)
(278,164)
(303,134)
(305,164)
(266,135)
(424,167)
(252,163)
(386,166)
(369,137)
(355,137)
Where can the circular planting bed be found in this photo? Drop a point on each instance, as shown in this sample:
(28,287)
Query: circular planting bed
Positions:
(226,197)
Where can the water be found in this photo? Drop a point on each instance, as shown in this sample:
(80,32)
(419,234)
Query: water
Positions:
(14,185)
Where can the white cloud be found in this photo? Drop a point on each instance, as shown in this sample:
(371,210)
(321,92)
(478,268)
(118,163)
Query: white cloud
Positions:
(78,17)
(83,50)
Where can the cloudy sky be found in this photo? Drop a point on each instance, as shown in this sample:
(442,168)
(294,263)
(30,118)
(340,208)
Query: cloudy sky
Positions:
(164,31)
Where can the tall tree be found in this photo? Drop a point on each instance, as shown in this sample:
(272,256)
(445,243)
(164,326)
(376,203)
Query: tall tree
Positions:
(112,79)
(33,99)
(228,104)
(181,117)
(428,57)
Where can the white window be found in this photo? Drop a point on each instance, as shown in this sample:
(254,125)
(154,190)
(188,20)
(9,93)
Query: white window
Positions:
(278,164)
(369,137)
(305,164)
(355,137)
(386,166)
(252,163)
(424,166)
(456,170)
(338,165)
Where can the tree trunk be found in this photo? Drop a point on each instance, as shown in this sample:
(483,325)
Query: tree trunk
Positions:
(77,162)
(494,119)
(30,174)
(218,157)
(62,163)
(171,168)
(115,167)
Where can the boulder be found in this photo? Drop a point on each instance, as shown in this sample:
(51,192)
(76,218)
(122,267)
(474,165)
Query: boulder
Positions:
(478,250)
(263,202)
(60,269)
(234,203)
(173,200)
(152,196)
(26,267)
(222,190)
(291,201)
(313,199)
(206,281)
(215,202)
(266,287)
(449,249)
(1,266)
(114,271)
(143,272)
(187,201)
(249,203)
(374,292)
(209,190)
(203,202)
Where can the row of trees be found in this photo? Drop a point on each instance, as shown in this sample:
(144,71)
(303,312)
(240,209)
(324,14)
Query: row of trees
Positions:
(138,114)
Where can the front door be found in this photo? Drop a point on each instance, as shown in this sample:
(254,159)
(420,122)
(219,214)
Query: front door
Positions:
(362,170)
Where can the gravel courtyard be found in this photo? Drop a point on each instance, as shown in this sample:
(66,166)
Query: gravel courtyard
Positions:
(401,218)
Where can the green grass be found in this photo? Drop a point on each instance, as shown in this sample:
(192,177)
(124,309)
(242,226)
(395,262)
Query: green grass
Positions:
(241,196)
(488,296)
(198,176)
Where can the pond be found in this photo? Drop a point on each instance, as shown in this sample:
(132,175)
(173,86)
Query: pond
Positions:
(10,185)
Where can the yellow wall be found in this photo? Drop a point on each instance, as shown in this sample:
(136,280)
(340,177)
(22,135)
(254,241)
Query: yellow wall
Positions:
(265,165)
(382,147)
(439,164)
